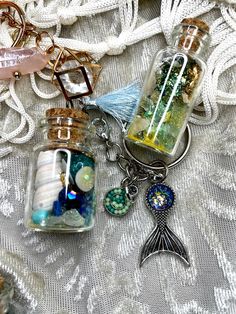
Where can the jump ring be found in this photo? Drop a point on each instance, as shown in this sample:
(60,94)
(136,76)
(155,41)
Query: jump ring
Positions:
(127,162)
(128,181)
(165,168)
(170,165)
(38,39)
(111,146)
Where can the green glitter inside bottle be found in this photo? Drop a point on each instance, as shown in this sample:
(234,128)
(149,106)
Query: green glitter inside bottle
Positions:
(169,92)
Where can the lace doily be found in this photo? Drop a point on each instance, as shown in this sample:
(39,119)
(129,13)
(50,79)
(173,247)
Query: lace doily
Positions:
(98,272)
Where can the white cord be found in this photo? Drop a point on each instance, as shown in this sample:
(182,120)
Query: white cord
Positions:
(223,57)
(25,120)
(56,13)
(62,12)
(39,92)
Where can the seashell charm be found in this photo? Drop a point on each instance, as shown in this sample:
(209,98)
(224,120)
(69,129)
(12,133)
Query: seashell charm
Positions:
(48,183)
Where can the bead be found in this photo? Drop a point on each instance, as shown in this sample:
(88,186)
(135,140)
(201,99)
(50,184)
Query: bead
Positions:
(17,75)
(57,209)
(38,216)
(85,179)
(62,197)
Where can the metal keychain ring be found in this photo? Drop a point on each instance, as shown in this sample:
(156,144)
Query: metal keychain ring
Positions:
(170,165)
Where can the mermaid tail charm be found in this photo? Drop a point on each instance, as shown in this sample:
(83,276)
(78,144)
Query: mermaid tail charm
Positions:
(159,199)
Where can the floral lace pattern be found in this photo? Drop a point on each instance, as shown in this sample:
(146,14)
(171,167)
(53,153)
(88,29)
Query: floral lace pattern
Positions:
(98,272)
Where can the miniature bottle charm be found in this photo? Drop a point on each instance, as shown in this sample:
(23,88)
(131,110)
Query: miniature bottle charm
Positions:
(60,191)
(170,89)
(6,295)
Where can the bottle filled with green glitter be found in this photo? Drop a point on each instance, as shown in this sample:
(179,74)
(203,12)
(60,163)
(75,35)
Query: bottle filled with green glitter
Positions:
(60,195)
(170,89)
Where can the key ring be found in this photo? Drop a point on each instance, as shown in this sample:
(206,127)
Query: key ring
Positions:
(170,165)
(21,14)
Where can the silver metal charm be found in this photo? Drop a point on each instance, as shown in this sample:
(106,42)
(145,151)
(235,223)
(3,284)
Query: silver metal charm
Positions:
(160,199)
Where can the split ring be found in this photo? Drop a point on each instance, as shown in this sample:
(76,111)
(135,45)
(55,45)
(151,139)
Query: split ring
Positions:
(170,165)
(39,38)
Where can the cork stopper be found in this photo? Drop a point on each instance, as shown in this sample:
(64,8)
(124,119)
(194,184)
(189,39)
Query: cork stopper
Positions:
(197,22)
(1,283)
(194,33)
(67,113)
(67,124)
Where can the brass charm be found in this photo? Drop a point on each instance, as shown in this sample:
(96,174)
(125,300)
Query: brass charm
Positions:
(75,73)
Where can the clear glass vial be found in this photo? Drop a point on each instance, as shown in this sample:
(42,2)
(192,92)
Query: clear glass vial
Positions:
(6,295)
(171,87)
(60,192)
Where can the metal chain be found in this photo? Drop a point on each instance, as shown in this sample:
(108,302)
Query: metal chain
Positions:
(134,172)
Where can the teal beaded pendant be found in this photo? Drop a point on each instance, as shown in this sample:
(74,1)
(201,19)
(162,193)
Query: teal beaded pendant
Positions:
(117,203)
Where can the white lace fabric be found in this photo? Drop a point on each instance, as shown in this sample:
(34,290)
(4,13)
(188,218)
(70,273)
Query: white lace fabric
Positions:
(98,272)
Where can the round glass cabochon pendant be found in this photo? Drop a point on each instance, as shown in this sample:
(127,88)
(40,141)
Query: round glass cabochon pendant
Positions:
(116,202)
(160,197)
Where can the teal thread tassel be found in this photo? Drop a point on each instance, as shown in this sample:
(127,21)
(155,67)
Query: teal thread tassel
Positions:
(120,103)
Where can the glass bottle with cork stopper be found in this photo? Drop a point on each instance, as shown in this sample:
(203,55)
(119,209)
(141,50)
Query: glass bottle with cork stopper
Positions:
(60,194)
(171,88)
(6,295)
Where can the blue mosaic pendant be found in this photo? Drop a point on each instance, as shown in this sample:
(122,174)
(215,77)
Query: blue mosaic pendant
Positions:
(160,198)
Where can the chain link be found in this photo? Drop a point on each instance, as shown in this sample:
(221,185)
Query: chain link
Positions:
(134,172)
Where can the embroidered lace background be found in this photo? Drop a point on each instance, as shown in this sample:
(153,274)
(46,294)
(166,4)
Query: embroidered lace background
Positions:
(97,272)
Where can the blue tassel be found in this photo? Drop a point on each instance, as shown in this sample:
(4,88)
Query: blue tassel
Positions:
(121,103)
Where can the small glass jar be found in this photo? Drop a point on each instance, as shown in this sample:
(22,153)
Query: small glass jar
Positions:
(170,89)
(60,192)
(6,295)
